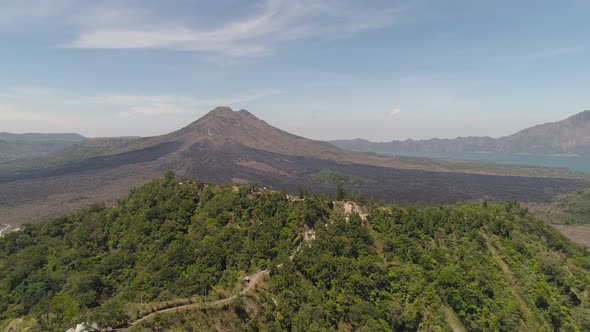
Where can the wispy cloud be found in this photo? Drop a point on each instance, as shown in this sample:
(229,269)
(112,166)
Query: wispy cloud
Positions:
(539,54)
(38,109)
(12,113)
(130,99)
(554,52)
(29,92)
(252,96)
(153,105)
(256,29)
(257,35)
(151,110)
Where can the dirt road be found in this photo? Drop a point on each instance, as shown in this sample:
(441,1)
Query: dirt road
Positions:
(254,280)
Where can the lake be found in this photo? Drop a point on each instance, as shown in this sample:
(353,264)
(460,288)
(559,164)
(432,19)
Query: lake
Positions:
(574,163)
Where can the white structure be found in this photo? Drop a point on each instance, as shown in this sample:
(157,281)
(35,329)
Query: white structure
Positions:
(84,327)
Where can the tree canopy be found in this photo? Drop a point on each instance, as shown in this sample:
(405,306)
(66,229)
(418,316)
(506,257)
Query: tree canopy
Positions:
(487,267)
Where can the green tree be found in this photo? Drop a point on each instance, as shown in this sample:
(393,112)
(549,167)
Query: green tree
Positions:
(64,308)
(340,192)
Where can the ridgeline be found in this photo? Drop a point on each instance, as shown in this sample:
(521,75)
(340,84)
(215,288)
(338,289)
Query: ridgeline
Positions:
(333,265)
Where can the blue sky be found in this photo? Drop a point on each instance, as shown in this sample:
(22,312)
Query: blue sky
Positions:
(330,69)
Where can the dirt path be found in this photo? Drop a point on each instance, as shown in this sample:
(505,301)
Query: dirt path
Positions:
(254,280)
(453,321)
(528,313)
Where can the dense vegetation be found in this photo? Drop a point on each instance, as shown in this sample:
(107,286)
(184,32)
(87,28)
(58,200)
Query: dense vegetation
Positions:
(572,209)
(481,267)
(330,176)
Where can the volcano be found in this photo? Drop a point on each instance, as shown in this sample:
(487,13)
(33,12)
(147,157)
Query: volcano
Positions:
(227,146)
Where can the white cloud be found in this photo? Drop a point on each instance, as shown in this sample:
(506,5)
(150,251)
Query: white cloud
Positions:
(280,20)
(252,31)
(394,112)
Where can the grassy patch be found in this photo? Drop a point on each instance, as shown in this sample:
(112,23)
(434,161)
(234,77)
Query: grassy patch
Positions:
(572,209)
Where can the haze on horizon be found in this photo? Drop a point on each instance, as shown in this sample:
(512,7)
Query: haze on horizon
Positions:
(380,70)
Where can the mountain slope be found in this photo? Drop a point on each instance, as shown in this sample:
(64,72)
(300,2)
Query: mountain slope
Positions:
(224,126)
(486,267)
(18,146)
(236,147)
(569,136)
(570,209)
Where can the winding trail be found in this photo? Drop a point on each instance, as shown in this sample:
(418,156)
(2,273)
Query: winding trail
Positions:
(254,280)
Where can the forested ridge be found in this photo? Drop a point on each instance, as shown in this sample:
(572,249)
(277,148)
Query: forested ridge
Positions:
(473,266)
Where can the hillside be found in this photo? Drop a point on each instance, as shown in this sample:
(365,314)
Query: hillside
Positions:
(236,147)
(570,214)
(569,136)
(570,209)
(19,146)
(332,265)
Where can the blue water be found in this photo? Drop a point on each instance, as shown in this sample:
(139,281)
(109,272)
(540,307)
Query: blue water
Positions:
(574,163)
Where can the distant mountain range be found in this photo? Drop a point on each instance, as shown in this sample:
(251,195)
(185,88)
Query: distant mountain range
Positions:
(39,137)
(226,146)
(17,146)
(569,136)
